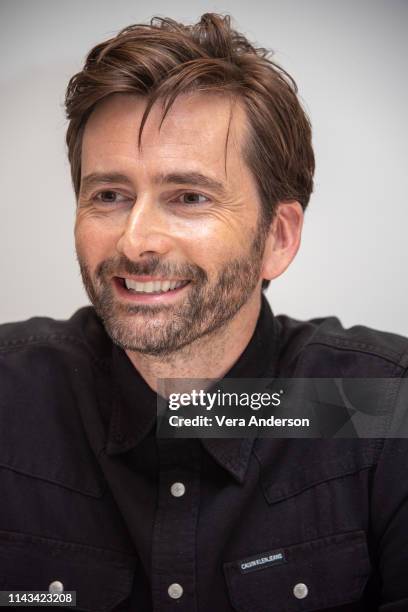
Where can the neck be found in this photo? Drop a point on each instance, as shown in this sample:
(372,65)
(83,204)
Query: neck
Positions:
(211,356)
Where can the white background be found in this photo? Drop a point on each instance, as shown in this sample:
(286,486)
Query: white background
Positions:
(350,62)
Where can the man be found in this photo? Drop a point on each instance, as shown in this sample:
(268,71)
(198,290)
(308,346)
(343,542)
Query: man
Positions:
(192,166)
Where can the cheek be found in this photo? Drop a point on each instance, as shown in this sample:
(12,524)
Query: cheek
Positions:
(210,251)
(211,243)
(93,244)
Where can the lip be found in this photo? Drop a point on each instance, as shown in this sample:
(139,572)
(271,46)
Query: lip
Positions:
(147,279)
(146,298)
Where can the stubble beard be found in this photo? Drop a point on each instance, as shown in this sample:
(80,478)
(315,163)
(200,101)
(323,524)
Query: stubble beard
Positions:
(159,330)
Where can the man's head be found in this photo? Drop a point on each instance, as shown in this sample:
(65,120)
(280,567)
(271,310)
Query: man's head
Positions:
(191,160)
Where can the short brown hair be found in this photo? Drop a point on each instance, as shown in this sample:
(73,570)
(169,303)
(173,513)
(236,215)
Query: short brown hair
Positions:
(165,58)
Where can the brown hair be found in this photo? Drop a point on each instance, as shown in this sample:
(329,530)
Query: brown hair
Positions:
(165,58)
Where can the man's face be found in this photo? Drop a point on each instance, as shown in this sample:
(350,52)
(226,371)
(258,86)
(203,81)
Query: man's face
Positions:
(169,239)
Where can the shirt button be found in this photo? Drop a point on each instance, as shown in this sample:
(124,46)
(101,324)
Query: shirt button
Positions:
(300,590)
(177,489)
(56,587)
(175,590)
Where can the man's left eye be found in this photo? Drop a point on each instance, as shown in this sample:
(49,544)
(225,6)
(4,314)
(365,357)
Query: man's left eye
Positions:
(192,198)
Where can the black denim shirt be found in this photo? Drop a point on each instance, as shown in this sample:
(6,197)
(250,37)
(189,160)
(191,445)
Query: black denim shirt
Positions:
(264,525)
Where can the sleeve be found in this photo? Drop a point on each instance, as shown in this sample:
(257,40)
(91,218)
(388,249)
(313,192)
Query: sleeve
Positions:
(389,510)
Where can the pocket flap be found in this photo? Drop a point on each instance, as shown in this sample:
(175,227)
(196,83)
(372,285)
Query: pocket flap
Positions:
(317,574)
(101,578)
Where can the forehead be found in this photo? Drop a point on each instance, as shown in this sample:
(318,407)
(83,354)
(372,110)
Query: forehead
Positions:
(200,131)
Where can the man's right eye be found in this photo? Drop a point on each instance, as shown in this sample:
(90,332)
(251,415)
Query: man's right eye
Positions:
(108,196)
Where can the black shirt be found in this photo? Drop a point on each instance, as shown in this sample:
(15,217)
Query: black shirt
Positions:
(90,497)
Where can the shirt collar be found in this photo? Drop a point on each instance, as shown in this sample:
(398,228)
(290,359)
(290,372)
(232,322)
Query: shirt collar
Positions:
(134,402)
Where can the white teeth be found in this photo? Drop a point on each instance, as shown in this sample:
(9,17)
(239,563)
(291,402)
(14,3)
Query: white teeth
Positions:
(152,286)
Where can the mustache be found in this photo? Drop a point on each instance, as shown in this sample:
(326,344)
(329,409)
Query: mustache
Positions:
(120,266)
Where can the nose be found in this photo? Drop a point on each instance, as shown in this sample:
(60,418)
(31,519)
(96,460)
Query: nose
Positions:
(146,231)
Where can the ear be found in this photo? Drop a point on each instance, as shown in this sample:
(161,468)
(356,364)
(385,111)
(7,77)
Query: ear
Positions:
(283,240)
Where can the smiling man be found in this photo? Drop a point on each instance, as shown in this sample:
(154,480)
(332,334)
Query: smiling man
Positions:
(171,237)
(192,166)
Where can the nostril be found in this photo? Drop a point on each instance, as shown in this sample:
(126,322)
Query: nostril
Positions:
(148,254)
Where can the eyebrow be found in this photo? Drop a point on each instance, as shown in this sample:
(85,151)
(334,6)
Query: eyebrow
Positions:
(98,178)
(176,178)
(190,178)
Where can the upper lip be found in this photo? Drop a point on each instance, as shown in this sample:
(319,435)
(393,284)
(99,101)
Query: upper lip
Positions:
(147,279)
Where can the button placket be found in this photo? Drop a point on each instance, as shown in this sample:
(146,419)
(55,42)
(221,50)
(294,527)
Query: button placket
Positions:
(175,527)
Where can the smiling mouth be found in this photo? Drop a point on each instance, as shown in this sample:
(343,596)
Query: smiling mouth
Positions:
(155,287)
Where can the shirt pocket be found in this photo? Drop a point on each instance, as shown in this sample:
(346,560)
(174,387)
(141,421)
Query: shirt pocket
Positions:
(314,575)
(101,578)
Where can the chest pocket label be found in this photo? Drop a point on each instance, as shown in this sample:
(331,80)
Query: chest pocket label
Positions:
(261,561)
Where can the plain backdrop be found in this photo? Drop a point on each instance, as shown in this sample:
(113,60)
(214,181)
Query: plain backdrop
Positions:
(350,62)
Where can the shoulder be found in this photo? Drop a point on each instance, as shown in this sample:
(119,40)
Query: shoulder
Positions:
(42,361)
(47,368)
(42,336)
(323,347)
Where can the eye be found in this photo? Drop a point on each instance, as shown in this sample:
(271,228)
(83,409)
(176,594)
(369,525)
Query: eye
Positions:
(108,196)
(192,198)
